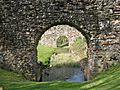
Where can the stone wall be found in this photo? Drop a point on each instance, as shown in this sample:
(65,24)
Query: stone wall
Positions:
(50,37)
(22,23)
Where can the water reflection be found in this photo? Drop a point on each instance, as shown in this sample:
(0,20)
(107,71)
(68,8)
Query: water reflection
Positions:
(69,74)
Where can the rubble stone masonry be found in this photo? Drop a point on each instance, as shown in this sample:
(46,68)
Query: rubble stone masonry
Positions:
(22,23)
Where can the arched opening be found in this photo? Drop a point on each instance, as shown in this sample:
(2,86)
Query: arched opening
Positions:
(61,48)
(62,41)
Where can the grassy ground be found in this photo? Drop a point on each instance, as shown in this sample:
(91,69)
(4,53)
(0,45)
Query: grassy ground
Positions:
(44,53)
(107,80)
(64,59)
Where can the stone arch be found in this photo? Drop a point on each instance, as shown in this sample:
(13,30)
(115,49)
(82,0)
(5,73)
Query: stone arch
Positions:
(83,31)
(79,28)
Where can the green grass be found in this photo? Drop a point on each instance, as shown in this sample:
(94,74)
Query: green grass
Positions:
(62,50)
(107,80)
(64,59)
(44,53)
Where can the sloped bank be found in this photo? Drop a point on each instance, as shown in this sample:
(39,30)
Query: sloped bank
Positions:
(107,80)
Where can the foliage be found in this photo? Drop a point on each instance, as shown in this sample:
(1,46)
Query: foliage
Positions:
(107,80)
(79,47)
(79,44)
(44,53)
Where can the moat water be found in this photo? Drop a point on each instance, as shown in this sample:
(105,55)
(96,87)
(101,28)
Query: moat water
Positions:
(69,74)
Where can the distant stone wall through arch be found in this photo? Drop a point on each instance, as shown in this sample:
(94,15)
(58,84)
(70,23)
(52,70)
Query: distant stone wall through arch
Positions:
(50,37)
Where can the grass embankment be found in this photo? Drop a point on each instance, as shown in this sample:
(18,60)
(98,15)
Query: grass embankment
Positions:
(64,59)
(107,80)
(44,53)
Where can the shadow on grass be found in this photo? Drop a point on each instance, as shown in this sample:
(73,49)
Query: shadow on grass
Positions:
(49,86)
